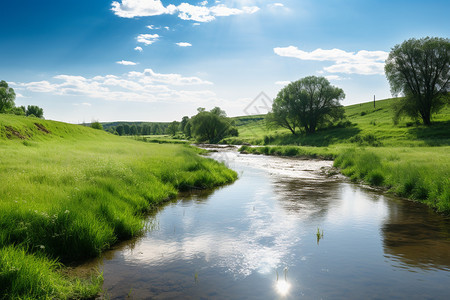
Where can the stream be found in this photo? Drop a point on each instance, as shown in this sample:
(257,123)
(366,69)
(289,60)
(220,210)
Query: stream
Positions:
(283,230)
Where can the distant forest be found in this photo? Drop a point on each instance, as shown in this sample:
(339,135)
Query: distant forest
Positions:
(136,128)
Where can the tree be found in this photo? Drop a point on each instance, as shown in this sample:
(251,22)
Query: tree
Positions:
(96,125)
(146,129)
(183,123)
(126,129)
(173,128)
(34,110)
(7,97)
(133,130)
(210,126)
(120,130)
(188,129)
(308,103)
(419,69)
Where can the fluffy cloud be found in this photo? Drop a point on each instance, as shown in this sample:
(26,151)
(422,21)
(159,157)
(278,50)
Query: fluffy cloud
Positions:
(126,62)
(149,76)
(147,39)
(184,44)
(138,49)
(146,86)
(362,62)
(186,11)
(139,8)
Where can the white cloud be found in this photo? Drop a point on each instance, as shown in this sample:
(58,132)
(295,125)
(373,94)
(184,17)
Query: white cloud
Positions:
(250,9)
(86,104)
(196,24)
(138,49)
(126,63)
(146,86)
(147,39)
(196,13)
(138,8)
(362,62)
(186,11)
(167,27)
(184,44)
(149,76)
(223,11)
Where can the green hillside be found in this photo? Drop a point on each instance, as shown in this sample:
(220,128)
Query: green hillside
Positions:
(369,125)
(69,192)
(408,159)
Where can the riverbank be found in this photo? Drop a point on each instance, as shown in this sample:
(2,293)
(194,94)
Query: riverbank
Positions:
(69,192)
(417,173)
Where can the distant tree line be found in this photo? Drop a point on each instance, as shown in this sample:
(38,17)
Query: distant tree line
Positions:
(7,104)
(138,129)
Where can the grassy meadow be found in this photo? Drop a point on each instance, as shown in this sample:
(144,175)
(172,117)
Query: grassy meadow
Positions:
(408,159)
(69,192)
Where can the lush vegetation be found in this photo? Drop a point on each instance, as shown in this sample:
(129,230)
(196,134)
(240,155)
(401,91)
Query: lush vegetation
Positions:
(309,103)
(69,192)
(136,128)
(210,126)
(420,70)
(410,159)
(7,104)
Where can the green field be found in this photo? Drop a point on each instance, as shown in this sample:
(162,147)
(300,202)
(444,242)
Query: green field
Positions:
(409,159)
(369,126)
(69,192)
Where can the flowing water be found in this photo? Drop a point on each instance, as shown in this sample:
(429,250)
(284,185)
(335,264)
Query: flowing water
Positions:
(258,239)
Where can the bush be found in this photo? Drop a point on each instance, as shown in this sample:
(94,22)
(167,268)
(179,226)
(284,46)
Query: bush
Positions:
(97,125)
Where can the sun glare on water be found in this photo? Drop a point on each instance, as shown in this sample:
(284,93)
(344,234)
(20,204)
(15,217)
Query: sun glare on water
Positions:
(282,287)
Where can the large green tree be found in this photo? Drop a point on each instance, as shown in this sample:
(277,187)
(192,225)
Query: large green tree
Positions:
(7,97)
(419,69)
(173,128)
(210,126)
(308,103)
(34,110)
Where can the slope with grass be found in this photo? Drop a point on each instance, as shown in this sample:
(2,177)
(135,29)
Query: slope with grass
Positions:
(367,125)
(409,159)
(69,192)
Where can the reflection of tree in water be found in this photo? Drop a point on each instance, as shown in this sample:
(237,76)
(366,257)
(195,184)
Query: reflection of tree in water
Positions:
(415,236)
(308,199)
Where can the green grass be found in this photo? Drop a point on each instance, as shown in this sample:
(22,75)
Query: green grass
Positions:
(409,159)
(369,127)
(69,192)
(421,174)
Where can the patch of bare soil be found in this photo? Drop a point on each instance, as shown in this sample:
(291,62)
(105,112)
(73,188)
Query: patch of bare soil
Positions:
(10,132)
(42,128)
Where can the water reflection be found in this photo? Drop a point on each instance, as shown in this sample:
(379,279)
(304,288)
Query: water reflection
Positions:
(282,287)
(230,243)
(415,236)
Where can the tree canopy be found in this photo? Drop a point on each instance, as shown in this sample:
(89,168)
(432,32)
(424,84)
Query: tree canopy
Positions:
(419,69)
(35,111)
(210,126)
(7,97)
(308,103)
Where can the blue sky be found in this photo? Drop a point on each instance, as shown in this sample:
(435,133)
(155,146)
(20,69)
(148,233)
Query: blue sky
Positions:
(152,60)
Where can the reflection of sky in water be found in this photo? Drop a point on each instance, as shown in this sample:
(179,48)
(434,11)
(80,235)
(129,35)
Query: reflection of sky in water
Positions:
(242,237)
(256,237)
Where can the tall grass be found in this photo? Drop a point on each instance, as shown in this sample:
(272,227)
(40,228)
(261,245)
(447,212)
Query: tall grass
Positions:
(421,174)
(25,276)
(71,193)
